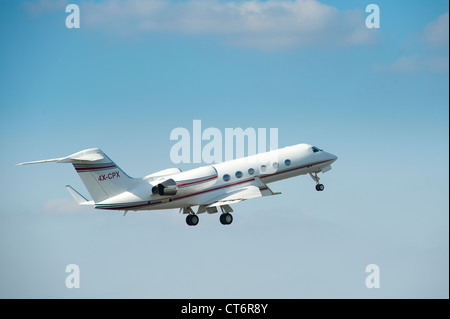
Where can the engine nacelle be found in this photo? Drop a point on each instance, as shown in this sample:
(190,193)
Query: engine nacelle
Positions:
(166,188)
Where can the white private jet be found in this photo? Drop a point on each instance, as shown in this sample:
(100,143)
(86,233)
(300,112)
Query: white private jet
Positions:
(207,187)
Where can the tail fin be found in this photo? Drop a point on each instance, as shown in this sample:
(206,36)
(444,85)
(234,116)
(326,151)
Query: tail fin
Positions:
(101,176)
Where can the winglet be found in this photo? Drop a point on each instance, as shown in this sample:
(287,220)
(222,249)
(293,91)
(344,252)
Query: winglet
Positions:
(80,199)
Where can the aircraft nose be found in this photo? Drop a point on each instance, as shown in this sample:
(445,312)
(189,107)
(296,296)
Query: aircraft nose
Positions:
(332,157)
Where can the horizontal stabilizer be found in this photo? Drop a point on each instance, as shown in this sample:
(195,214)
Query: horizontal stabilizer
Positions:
(80,199)
(90,155)
(38,162)
(101,176)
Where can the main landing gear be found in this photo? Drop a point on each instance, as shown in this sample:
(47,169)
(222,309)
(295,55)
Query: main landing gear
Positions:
(319,187)
(225,217)
(192,220)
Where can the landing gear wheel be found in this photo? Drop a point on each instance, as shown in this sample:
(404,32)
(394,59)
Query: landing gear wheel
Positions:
(226,219)
(320,187)
(192,220)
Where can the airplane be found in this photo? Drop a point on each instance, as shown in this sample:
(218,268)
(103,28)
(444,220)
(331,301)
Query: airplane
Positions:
(210,187)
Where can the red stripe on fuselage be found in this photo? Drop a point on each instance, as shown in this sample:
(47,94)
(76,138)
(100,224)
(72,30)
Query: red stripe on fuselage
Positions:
(195,182)
(248,180)
(216,188)
(293,169)
(93,168)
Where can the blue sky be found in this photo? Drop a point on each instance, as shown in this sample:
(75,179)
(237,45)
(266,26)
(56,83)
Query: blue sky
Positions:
(136,70)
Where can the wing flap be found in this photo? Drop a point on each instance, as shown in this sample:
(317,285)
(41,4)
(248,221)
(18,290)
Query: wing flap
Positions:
(265,190)
(257,189)
(241,194)
(225,202)
(236,196)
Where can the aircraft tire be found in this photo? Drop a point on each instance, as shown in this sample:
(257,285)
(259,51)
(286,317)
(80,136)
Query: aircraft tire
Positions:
(194,220)
(188,220)
(226,219)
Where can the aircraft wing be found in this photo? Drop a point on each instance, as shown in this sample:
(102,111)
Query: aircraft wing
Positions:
(257,189)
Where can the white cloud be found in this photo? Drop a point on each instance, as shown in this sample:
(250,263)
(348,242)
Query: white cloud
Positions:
(270,24)
(438,64)
(436,32)
(405,64)
(42,6)
(434,38)
(414,64)
(63,206)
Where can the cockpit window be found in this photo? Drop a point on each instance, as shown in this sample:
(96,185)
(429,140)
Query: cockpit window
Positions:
(316,149)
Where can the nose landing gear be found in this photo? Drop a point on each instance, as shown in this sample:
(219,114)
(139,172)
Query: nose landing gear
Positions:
(319,187)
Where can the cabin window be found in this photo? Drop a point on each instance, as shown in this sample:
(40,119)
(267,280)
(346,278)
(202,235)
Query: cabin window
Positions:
(226,177)
(251,171)
(238,174)
(263,168)
(287,162)
(275,165)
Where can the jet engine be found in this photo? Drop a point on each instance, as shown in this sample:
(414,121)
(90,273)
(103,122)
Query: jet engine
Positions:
(166,188)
